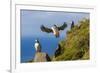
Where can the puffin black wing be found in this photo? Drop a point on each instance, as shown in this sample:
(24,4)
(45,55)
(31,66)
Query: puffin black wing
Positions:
(45,29)
(63,26)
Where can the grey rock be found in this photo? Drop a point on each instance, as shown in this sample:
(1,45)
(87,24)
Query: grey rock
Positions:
(41,57)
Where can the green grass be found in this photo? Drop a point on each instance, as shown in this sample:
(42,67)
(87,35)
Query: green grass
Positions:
(76,44)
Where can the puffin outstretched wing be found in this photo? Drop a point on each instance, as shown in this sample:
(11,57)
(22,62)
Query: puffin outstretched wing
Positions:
(63,26)
(45,29)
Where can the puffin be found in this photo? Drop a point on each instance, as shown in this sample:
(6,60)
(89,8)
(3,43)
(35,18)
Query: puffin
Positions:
(37,46)
(58,50)
(40,56)
(72,24)
(55,29)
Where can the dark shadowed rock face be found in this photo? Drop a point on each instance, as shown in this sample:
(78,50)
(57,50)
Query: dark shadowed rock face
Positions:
(41,57)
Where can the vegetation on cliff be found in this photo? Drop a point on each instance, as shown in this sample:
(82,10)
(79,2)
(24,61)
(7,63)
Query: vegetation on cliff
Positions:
(76,44)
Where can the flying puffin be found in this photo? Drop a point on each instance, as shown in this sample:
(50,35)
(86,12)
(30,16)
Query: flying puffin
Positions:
(55,29)
(37,46)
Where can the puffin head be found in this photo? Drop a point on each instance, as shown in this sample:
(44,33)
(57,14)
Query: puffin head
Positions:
(55,25)
(37,41)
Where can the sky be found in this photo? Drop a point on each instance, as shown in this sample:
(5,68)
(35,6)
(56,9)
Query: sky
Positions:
(31,20)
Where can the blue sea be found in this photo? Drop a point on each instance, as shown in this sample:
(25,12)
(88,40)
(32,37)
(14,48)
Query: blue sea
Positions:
(27,47)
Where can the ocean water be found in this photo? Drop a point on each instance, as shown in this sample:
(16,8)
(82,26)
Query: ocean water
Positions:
(27,47)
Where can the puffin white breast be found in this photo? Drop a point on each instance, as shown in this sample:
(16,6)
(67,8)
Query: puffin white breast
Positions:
(55,31)
(37,46)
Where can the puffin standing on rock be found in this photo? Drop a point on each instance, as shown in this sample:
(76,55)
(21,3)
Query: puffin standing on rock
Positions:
(55,29)
(72,24)
(40,56)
